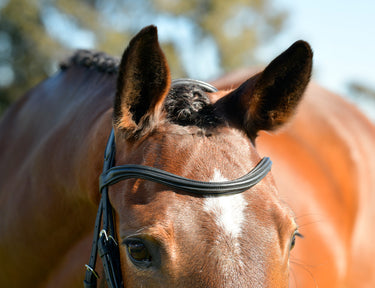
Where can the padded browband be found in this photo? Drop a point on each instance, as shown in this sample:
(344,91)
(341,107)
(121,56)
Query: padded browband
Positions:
(239,185)
(115,174)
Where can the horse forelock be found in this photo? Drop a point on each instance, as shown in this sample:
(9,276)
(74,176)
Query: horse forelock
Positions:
(189,105)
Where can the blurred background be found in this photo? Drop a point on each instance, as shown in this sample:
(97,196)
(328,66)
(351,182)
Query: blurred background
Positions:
(202,38)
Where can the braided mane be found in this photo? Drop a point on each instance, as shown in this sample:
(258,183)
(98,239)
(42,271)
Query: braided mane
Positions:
(92,60)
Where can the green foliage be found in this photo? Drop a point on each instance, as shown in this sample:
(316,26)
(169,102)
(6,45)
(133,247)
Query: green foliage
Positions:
(27,49)
(30,50)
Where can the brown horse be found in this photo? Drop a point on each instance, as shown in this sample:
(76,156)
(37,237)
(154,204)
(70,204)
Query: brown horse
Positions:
(52,143)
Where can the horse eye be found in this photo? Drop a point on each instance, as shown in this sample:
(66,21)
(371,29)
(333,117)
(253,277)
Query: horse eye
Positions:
(138,253)
(293,241)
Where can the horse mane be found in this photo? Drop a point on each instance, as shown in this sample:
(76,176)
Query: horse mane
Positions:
(99,61)
(186,104)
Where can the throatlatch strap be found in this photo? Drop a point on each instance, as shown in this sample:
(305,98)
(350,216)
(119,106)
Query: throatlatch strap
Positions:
(91,276)
(104,240)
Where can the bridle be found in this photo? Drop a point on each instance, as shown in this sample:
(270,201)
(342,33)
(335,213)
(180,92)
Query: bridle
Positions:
(104,241)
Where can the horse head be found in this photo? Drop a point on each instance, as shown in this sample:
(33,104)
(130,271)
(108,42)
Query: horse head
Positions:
(170,238)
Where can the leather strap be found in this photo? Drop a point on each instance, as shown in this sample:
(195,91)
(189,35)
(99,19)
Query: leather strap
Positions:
(119,173)
(104,240)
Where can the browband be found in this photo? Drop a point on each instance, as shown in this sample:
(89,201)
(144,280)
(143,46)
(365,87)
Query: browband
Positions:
(119,173)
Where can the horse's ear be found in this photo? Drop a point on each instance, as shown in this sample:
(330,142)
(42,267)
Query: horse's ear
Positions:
(268,99)
(143,83)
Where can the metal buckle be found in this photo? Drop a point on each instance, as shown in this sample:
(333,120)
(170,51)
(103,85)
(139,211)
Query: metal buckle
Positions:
(92,271)
(107,237)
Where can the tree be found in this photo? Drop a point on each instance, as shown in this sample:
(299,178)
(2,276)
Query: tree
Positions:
(35,38)
(358,89)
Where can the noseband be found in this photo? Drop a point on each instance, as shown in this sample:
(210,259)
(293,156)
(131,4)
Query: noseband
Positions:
(104,242)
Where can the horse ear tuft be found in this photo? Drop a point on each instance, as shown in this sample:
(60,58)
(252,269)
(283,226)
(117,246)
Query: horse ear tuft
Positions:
(143,83)
(268,99)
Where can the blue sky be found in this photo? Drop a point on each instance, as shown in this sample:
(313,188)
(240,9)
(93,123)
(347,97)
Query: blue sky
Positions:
(342,35)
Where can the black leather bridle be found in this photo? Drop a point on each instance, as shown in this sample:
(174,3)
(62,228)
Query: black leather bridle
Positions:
(105,243)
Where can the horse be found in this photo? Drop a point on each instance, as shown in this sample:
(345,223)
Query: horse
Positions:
(178,203)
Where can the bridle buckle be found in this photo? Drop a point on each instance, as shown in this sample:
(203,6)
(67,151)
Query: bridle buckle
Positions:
(89,268)
(107,237)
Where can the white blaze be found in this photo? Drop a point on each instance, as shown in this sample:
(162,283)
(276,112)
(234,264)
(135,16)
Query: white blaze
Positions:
(228,210)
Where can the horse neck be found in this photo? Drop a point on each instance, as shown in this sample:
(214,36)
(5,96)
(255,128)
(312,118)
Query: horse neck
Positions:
(52,158)
(82,134)
(75,107)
